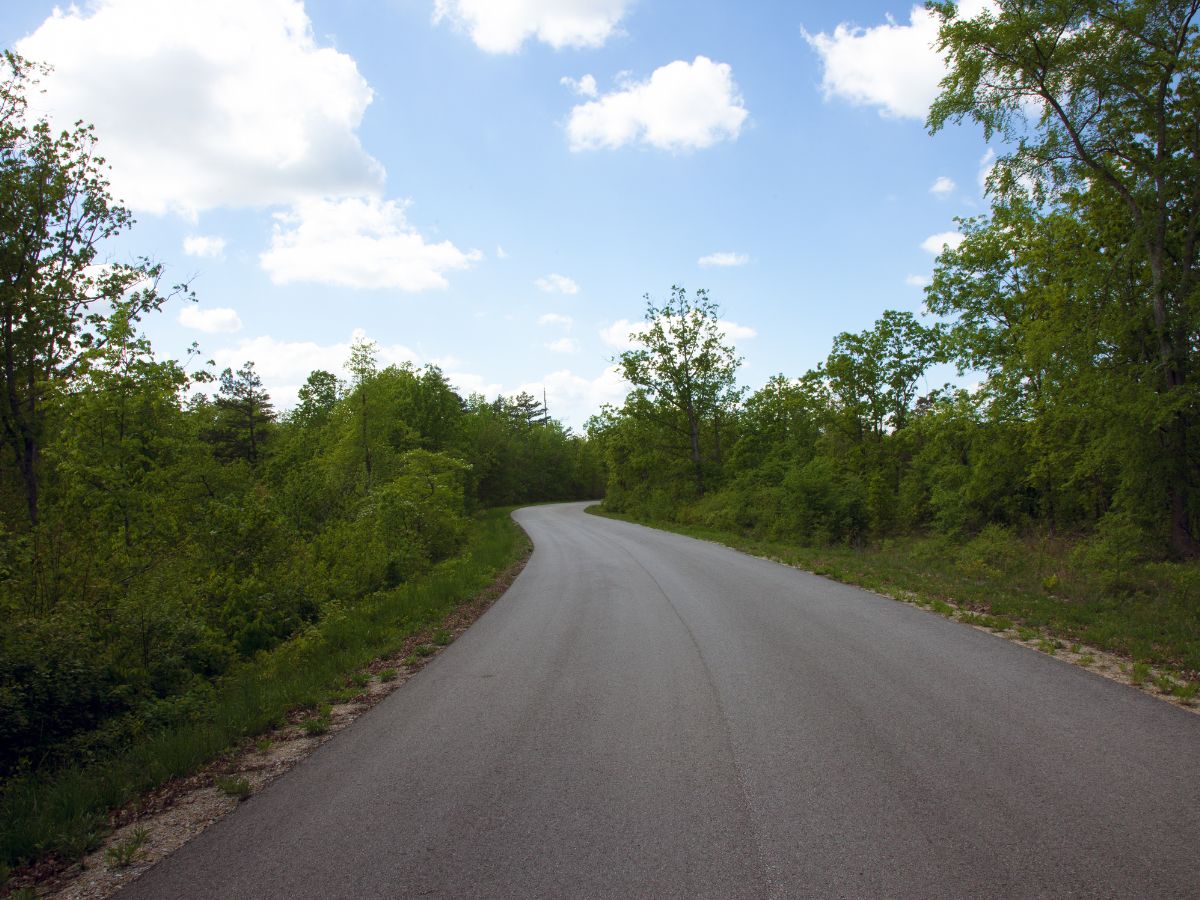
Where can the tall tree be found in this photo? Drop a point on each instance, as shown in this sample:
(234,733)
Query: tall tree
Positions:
(245,415)
(1101,100)
(55,213)
(683,373)
(363,370)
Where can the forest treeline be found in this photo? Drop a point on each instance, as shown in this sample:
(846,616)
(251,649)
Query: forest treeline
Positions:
(1075,303)
(159,524)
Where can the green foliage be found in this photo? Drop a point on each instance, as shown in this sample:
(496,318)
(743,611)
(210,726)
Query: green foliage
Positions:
(64,810)
(126,852)
(235,786)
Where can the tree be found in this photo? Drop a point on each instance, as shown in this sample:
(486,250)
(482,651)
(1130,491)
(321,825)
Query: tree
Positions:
(317,397)
(1116,87)
(244,415)
(55,214)
(363,369)
(683,374)
(875,373)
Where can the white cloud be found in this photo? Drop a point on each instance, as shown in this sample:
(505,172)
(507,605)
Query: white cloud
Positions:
(917,281)
(892,66)
(683,106)
(573,399)
(724,259)
(218,320)
(563,345)
(360,243)
(557,284)
(206,103)
(203,245)
(935,243)
(620,333)
(290,362)
(500,252)
(943,186)
(502,26)
(556,319)
(584,87)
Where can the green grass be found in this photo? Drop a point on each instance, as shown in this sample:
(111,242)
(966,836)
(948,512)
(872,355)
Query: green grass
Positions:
(65,812)
(234,786)
(387,674)
(1007,581)
(126,852)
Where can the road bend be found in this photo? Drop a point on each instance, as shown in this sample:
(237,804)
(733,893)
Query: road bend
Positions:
(647,715)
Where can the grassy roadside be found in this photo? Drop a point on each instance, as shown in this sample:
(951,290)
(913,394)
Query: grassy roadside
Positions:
(65,813)
(1007,584)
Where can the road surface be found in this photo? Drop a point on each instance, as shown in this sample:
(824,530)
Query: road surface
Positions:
(643,714)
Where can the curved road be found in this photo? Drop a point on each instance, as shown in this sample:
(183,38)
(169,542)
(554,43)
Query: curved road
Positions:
(648,715)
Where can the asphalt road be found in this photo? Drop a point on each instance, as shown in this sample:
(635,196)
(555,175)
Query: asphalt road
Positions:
(648,715)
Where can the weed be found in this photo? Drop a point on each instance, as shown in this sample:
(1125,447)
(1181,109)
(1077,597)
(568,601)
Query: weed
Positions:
(1048,646)
(425,650)
(1165,684)
(942,608)
(1050,583)
(1086,659)
(1025,633)
(1074,648)
(442,637)
(316,726)
(120,855)
(1139,673)
(262,745)
(25,893)
(345,695)
(360,680)
(412,660)
(235,786)
(1187,691)
(387,674)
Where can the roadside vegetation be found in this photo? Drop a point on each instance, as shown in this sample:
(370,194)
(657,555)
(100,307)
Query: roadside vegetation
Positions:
(1064,489)
(179,562)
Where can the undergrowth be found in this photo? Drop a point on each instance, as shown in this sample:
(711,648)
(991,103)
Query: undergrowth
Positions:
(65,813)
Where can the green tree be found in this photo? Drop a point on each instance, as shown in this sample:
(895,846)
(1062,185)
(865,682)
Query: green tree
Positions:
(875,373)
(244,415)
(363,368)
(55,213)
(684,374)
(1115,85)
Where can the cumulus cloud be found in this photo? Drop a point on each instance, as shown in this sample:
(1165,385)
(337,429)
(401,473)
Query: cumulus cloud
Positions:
(917,281)
(203,245)
(936,243)
(724,259)
(217,320)
(563,345)
(206,103)
(892,66)
(285,365)
(502,26)
(682,106)
(358,243)
(620,334)
(584,87)
(555,319)
(943,186)
(573,398)
(557,284)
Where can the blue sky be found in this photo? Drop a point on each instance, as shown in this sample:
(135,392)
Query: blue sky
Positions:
(492,185)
